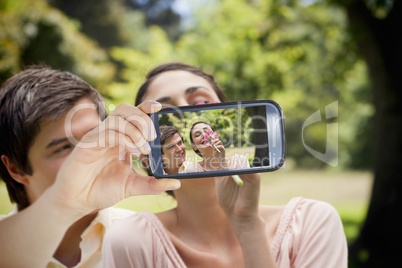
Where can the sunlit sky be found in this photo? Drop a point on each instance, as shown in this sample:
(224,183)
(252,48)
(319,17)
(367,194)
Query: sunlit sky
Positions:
(185,9)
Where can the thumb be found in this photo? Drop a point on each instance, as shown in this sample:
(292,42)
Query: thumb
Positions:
(148,185)
(163,185)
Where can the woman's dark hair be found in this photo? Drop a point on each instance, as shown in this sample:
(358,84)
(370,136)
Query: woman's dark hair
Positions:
(191,136)
(177,66)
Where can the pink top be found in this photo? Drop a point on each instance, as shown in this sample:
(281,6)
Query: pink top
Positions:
(310,234)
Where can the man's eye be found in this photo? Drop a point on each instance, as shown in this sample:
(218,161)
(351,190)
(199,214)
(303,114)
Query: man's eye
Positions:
(63,148)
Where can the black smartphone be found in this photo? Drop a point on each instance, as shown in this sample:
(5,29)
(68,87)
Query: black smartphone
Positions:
(219,139)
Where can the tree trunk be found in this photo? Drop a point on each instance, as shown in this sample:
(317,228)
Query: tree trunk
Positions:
(380,44)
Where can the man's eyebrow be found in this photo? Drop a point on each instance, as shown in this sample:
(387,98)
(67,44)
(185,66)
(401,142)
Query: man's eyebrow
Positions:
(56,142)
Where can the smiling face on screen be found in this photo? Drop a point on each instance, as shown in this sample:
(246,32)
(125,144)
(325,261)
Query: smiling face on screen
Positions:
(174,153)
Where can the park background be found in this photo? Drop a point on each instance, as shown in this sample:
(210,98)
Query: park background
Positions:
(307,55)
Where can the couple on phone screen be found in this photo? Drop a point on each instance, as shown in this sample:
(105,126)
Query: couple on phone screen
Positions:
(205,143)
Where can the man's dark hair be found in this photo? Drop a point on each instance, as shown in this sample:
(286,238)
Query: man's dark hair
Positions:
(167,132)
(177,66)
(27,99)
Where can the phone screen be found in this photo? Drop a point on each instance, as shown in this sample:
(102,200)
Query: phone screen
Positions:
(225,138)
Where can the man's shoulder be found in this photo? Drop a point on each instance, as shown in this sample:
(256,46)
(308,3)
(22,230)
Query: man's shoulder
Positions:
(110,215)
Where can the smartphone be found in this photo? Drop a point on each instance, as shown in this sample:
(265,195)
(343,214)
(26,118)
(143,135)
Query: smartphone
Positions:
(250,135)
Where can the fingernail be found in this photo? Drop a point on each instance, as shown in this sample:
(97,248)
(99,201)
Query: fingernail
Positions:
(146,148)
(155,106)
(178,185)
(172,189)
(151,133)
(155,103)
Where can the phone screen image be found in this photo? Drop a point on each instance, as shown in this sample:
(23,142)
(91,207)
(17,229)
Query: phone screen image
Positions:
(227,138)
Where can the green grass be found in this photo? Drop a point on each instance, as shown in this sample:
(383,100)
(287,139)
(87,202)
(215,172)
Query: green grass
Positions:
(5,204)
(348,192)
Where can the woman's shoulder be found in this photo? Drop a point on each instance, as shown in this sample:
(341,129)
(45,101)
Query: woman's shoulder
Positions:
(300,209)
(304,220)
(299,217)
(311,209)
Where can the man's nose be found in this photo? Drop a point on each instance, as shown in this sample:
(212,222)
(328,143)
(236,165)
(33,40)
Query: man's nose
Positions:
(178,148)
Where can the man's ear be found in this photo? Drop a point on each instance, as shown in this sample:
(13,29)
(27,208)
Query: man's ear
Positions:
(13,170)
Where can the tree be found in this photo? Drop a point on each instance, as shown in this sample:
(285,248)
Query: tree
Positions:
(121,23)
(297,55)
(374,26)
(34,33)
(100,20)
(160,13)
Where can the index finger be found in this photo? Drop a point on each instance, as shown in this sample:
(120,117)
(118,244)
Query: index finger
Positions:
(138,117)
(150,107)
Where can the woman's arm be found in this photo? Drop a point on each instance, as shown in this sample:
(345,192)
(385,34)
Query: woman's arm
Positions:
(241,204)
(254,243)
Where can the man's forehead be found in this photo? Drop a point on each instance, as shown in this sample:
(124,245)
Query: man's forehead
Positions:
(174,139)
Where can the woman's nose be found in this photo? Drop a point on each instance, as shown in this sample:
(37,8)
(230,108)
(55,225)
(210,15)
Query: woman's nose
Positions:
(180,101)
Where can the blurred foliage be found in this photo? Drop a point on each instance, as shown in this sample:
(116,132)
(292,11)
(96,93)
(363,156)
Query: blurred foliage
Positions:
(108,22)
(234,126)
(160,13)
(296,54)
(299,56)
(33,33)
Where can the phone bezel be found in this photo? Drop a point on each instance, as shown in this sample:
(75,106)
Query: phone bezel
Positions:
(278,152)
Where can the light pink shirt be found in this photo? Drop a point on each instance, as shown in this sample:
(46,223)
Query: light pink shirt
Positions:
(310,234)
